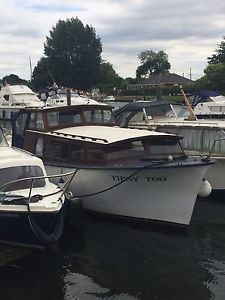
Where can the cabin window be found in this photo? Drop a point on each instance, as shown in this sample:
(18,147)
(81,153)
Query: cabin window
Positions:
(91,154)
(63,118)
(3,141)
(39,121)
(36,121)
(39,147)
(97,116)
(163,147)
(94,154)
(58,150)
(125,150)
(77,153)
(90,116)
(138,117)
(19,172)
(53,119)
(32,121)
(6,97)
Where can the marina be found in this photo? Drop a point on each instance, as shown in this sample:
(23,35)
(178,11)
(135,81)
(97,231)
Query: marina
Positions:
(112,150)
(114,166)
(103,257)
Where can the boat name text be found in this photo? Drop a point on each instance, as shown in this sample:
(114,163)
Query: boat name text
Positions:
(120,178)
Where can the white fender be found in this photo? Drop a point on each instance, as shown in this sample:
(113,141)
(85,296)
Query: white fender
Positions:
(205,189)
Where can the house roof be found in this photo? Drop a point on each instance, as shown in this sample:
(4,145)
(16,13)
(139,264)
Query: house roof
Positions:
(166,79)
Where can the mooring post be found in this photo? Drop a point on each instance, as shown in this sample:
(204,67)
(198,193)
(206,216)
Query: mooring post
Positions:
(68,96)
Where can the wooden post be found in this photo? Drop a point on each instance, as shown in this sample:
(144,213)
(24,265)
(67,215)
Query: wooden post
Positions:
(68,96)
(191,112)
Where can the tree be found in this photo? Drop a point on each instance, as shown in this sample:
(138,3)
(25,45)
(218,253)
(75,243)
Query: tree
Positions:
(108,75)
(152,63)
(13,79)
(219,56)
(215,74)
(72,55)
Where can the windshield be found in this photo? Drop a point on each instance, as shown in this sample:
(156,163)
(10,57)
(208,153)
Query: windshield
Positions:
(3,142)
(19,172)
(98,115)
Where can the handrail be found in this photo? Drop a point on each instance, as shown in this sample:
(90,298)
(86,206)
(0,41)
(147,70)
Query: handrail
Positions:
(213,145)
(63,188)
(79,136)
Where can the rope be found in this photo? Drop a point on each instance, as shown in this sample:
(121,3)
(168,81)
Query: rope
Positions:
(127,178)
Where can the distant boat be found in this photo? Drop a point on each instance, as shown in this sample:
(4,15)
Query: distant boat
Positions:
(31,207)
(15,97)
(109,98)
(59,97)
(129,173)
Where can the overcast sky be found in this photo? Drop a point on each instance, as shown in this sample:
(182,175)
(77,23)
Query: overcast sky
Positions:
(188,31)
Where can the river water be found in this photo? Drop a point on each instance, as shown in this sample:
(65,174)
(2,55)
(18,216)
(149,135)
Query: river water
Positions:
(110,259)
(113,260)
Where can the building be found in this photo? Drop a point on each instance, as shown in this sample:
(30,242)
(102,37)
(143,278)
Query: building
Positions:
(160,80)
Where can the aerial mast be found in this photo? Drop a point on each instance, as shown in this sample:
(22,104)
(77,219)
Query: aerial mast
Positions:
(31,71)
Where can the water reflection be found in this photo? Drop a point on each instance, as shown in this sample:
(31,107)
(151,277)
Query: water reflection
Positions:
(105,259)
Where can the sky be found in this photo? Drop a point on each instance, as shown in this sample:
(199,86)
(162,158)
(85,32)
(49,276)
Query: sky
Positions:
(187,31)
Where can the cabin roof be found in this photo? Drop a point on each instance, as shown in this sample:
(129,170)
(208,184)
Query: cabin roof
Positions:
(182,123)
(17,157)
(105,134)
(69,107)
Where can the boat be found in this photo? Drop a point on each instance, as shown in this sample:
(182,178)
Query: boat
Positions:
(202,127)
(109,98)
(146,110)
(135,174)
(15,97)
(59,97)
(32,208)
(204,104)
(203,96)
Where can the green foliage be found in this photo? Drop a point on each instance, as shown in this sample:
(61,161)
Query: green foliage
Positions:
(108,74)
(199,84)
(219,56)
(42,76)
(13,79)
(215,74)
(215,71)
(72,55)
(152,63)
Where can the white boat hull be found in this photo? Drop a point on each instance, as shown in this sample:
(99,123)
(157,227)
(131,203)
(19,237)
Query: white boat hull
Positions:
(161,194)
(216,174)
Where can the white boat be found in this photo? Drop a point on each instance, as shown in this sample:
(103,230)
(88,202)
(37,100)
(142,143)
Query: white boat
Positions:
(15,97)
(60,98)
(201,124)
(204,105)
(129,173)
(109,98)
(201,138)
(32,209)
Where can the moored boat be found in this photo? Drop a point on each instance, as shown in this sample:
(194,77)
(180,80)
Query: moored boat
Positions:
(15,97)
(129,173)
(201,124)
(32,209)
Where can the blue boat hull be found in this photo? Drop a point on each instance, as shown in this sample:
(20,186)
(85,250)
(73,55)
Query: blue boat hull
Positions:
(36,230)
